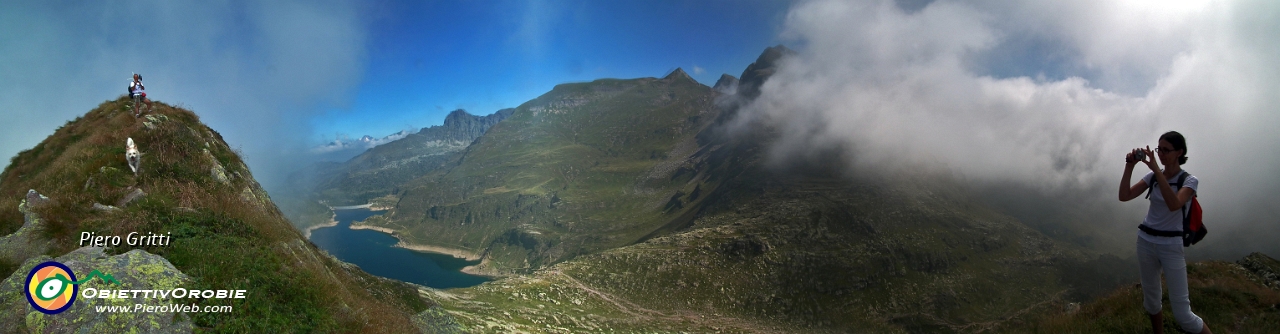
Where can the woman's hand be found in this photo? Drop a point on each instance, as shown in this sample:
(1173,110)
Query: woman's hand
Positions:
(1150,160)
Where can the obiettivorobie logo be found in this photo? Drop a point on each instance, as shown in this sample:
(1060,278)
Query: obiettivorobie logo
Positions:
(52,287)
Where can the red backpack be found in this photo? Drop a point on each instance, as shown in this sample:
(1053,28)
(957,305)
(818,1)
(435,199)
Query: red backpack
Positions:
(1193,229)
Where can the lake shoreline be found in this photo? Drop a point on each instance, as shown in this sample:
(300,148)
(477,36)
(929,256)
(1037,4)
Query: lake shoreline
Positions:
(454,252)
(333,221)
(384,253)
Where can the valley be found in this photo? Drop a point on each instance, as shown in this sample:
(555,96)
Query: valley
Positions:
(626,204)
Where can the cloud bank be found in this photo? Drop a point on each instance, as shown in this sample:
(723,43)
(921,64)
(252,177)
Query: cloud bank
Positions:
(1048,95)
(255,71)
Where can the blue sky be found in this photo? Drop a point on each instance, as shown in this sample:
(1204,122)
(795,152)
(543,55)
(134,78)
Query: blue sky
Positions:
(426,59)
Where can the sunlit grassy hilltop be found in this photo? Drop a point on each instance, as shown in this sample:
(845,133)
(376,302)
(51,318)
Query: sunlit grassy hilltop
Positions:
(226,232)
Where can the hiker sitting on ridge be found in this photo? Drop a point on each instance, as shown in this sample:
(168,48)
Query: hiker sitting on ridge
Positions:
(139,94)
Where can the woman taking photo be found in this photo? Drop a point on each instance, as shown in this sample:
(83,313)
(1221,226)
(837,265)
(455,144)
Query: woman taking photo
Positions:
(1159,237)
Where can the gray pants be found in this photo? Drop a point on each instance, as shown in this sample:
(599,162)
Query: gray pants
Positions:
(1154,258)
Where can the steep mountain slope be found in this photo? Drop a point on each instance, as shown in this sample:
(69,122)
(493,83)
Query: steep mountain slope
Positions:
(582,168)
(226,232)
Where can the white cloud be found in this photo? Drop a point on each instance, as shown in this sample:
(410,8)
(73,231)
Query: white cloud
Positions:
(897,89)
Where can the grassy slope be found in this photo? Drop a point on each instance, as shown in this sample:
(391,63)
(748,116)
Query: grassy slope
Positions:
(803,256)
(1230,297)
(564,175)
(226,235)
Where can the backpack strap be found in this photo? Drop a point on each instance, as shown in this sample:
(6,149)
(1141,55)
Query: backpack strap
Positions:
(1182,176)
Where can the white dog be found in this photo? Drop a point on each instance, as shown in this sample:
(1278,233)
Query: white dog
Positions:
(132,155)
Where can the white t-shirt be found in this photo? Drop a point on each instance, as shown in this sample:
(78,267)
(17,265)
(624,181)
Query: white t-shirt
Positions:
(1158,215)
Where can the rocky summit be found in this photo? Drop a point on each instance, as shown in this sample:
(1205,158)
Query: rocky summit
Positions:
(727,84)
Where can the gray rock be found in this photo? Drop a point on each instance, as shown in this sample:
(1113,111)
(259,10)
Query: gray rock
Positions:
(153,121)
(104,208)
(218,172)
(132,196)
(35,199)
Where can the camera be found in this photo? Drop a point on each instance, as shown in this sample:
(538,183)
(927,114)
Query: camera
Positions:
(1140,155)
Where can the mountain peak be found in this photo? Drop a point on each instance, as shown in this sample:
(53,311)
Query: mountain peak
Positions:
(727,84)
(761,70)
(677,74)
(456,116)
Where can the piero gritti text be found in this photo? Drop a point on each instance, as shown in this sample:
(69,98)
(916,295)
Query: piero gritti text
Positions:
(132,239)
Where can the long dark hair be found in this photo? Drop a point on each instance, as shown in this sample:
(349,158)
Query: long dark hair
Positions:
(1179,143)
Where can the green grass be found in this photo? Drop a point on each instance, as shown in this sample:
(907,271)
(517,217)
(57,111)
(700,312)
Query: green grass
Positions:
(1228,297)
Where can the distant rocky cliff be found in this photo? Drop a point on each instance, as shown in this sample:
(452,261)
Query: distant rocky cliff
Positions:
(458,131)
(459,125)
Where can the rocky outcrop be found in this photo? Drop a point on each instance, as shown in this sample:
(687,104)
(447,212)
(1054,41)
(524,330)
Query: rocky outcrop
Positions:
(461,126)
(216,171)
(727,84)
(1267,268)
(135,270)
(151,122)
(759,71)
(26,242)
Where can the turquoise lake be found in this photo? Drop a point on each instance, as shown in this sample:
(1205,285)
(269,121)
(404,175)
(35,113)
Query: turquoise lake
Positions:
(375,253)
